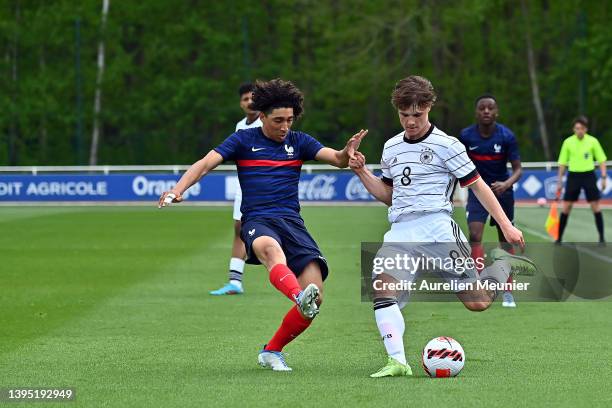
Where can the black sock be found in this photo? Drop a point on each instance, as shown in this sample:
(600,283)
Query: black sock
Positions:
(600,225)
(562,224)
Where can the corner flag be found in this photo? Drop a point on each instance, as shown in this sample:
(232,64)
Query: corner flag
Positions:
(552,221)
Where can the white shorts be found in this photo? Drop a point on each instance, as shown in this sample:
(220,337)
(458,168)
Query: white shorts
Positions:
(428,227)
(434,238)
(237,203)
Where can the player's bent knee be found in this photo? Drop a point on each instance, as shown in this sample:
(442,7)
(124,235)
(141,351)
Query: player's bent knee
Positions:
(268,251)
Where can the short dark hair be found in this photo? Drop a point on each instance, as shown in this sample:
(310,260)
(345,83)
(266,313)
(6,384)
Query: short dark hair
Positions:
(413,91)
(484,96)
(582,120)
(270,95)
(245,88)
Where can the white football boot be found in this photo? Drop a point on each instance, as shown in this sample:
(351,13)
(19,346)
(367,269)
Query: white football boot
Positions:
(273,359)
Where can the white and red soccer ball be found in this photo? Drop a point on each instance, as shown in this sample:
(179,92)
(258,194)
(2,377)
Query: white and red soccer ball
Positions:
(443,357)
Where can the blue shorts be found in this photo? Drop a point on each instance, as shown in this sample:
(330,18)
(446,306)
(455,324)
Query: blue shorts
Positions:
(477,213)
(297,244)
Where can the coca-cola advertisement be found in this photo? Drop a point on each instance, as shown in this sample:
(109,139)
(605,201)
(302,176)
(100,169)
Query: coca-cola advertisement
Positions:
(318,187)
(340,186)
(355,190)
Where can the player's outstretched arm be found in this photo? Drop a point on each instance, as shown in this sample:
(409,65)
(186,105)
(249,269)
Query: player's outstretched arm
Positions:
(381,191)
(340,158)
(489,202)
(197,170)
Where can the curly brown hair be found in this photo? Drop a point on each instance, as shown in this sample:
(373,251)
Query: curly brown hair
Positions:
(269,95)
(413,91)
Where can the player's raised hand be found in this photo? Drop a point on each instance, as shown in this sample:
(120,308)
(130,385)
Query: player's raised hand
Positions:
(169,197)
(357,161)
(514,236)
(353,143)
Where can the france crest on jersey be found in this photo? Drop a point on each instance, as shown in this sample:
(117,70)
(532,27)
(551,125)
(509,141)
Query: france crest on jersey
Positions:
(491,154)
(269,171)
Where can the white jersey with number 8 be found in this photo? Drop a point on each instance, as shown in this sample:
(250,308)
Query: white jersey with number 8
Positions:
(423,172)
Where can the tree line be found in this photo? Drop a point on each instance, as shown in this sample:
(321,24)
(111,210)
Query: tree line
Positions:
(167,83)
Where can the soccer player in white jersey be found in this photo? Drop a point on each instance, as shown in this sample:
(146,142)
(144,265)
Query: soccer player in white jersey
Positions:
(420,167)
(236,265)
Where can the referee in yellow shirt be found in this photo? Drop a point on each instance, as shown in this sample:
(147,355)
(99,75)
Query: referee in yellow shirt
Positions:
(579,153)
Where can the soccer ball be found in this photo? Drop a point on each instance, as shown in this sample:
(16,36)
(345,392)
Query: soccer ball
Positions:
(541,201)
(443,357)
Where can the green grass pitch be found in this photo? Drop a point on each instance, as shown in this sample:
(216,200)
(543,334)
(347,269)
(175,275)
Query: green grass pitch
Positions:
(114,302)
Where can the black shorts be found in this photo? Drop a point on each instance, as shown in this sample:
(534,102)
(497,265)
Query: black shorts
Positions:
(290,232)
(578,181)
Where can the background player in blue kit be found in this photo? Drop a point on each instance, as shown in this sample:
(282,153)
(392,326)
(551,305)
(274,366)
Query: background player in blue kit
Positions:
(491,146)
(269,161)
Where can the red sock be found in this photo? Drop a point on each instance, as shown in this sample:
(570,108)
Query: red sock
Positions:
(292,326)
(478,255)
(284,280)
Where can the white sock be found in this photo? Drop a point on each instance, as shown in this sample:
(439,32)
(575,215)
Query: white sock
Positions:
(391,326)
(236,269)
(498,271)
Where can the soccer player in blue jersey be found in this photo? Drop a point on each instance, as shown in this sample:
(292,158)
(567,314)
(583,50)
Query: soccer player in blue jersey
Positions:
(491,146)
(269,161)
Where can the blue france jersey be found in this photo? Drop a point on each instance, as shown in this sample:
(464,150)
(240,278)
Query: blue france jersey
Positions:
(490,155)
(269,171)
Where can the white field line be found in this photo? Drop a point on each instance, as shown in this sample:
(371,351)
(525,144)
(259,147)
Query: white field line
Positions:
(589,251)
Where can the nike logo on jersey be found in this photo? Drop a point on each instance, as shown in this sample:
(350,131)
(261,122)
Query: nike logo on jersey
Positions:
(251,232)
(253,149)
(473,147)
